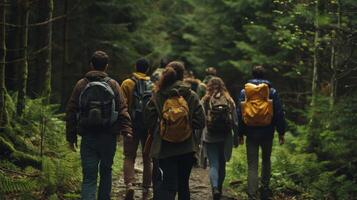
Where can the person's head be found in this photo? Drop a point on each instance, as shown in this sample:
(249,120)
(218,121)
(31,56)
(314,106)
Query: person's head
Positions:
(216,85)
(173,72)
(258,72)
(163,62)
(99,61)
(189,74)
(211,71)
(142,65)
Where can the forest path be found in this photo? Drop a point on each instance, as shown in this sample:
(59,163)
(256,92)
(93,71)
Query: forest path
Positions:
(199,185)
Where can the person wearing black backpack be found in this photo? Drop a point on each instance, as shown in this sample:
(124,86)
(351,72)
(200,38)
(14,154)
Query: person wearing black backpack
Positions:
(138,91)
(98,112)
(220,133)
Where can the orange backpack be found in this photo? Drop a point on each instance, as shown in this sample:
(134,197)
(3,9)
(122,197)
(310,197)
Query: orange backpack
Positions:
(174,119)
(257,109)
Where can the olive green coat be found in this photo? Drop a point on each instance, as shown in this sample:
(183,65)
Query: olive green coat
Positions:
(163,149)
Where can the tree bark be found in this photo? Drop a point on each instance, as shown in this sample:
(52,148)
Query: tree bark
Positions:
(23,65)
(314,88)
(43,62)
(3,117)
(334,63)
(65,61)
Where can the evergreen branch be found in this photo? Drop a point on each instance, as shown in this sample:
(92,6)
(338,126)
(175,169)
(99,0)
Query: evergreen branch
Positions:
(4,170)
(44,22)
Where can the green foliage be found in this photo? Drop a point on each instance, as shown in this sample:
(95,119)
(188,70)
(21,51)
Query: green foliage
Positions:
(11,185)
(60,169)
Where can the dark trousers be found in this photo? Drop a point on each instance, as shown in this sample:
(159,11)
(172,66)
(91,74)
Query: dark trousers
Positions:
(176,173)
(97,151)
(253,162)
(156,178)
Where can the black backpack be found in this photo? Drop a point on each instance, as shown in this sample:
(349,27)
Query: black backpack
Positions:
(97,105)
(219,115)
(141,96)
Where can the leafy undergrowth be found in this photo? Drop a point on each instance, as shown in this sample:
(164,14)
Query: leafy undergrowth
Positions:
(329,171)
(24,173)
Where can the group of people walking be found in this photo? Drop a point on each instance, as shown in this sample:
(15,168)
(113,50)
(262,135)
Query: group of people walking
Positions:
(177,120)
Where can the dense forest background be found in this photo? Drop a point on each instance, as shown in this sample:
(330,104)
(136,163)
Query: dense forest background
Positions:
(308,47)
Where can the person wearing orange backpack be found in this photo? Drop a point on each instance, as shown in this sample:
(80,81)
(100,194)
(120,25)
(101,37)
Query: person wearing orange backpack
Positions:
(260,113)
(217,138)
(173,113)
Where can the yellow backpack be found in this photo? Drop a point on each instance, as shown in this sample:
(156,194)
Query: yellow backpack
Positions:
(257,109)
(175,123)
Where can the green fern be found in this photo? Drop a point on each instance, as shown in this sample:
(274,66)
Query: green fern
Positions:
(12,185)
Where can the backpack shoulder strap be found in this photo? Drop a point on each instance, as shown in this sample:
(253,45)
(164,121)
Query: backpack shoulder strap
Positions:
(107,79)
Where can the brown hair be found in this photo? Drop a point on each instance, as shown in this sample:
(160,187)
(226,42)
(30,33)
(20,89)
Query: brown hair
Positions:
(173,72)
(211,71)
(99,60)
(216,85)
(258,72)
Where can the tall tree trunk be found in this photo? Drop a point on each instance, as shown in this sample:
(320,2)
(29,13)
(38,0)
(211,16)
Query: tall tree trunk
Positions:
(3,117)
(314,88)
(334,63)
(13,42)
(314,122)
(44,61)
(23,65)
(65,61)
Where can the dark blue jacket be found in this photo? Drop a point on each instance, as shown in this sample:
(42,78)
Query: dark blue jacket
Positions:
(265,132)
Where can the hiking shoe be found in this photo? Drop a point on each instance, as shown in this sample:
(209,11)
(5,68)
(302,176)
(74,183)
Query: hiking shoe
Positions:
(216,193)
(265,193)
(129,194)
(146,193)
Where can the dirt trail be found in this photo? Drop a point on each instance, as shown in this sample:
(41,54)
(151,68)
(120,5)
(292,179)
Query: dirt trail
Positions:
(199,185)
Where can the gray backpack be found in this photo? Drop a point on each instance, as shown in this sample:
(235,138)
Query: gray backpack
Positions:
(97,105)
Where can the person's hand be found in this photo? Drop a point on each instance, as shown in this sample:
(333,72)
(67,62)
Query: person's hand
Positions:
(235,142)
(73,146)
(281,139)
(128,136)
(241,140)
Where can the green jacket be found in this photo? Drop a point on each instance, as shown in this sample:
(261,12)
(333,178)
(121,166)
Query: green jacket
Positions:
(163,149)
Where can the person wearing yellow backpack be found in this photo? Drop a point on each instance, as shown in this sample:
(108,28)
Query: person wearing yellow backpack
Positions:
(173,113)
(260,113)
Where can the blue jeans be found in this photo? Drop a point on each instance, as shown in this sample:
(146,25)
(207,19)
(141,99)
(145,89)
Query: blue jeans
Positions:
(97,151)
(217,163)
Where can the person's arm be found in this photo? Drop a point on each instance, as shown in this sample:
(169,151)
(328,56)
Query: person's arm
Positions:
(71,113)
(241,125)
(124,121)
(198,113)
(235,125)
(150,115)
(279,116)
(127,87)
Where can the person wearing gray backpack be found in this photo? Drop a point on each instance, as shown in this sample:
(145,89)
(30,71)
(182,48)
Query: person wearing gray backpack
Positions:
(220,133)
(97,111)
